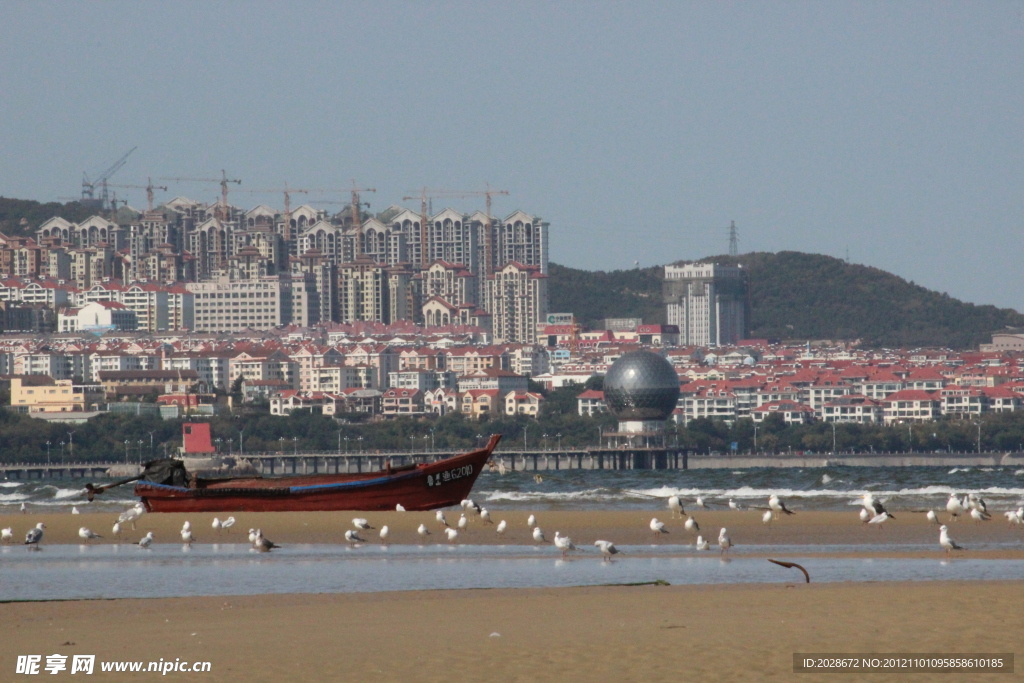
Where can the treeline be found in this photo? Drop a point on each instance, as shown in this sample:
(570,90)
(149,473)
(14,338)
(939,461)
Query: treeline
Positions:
(12,211)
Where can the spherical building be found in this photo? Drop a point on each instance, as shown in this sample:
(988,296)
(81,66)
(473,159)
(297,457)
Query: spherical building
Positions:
(641,390)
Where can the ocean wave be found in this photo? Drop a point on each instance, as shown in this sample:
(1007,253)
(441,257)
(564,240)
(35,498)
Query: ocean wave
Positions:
(588,494)
(1018,473)
(10,484)
(11,497)
(959,469)
(746,492)
(67,493)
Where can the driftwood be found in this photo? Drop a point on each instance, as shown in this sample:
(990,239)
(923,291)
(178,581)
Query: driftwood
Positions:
(790,565)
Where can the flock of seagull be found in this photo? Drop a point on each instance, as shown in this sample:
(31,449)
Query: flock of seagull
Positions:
(872,512)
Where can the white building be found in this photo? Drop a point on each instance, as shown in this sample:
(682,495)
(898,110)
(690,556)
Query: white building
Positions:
(517,300)
(98,316)
(708,303)
(225,305)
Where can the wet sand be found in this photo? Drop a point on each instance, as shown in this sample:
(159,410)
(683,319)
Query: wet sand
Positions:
(810,529)
(642,633)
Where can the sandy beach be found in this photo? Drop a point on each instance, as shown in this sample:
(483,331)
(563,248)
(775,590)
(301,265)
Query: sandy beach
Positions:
(810,529)
(642,633)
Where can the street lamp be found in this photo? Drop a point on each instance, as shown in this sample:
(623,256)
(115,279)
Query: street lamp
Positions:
(241,442)
(218,442)
(360,440)
(295,444)
(126,451)
(526,427)
(339,442)
(62,452)
(47,452)
(346,444)
(432,447)
(71,446)
(545,437)
(478,438)
(151,444)
(559,437)
(833,438)
(755,437)
(412,445)
(140,442)
(281,442)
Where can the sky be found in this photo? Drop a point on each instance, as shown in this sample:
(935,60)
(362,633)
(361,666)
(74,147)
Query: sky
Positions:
(890,133)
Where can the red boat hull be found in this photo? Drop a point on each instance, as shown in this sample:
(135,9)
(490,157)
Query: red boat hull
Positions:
(423,487)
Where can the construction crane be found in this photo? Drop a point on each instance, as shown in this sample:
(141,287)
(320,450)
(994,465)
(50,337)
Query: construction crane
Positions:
(148,187)
(427,194)
(356,222)
(89,186)
(222,181)
(288,191)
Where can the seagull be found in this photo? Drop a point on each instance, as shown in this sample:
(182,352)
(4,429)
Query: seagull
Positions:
(700,503)
(538,535)
(777,506)
(439,516)
(977,503)
(216,525)
(35,535)
(932,517)
(978,516)
(607,549)
(7,535)
(74,510)
(186,533)
(766,518)
(472,508)
(658,527)
(954,507)
(252,536)
(881,519)
(485,516)
(87,535)
(116,529)
(501,527)
(865,516)
(452,534)
(353,537)
(676,506)
(735,506)
(464,503)
(691,524)
(263,544)
(228,523)
(564,543)
(423,530)
(463,522)
(724,542)
(147,540)
(1011,517)
(702,544)
(384,533)
(946,542)
(132,514)
(361,523)
(531,521)
(399,508)
(23,509)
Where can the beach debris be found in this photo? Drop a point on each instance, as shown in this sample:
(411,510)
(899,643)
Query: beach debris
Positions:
(531,521)
(691,524)
(946,542)
(501,527)
(702,544)
(979,516)
(767,517)
(607,549)
(216,525)
(399,508)
(676,506)
(658,528)
(228,523)
(35,535)
(777,505)
(724,542)
(564,543)
(87,535)
(146,540)
(353,537)
(932,517)
(485,516)
(7,535)
(954,507)
(74,510)
(538,535)
(423,530)
(439,516)
(495,635)
(452,534)
(361,524)
(131,515)
(186,533)
(792,565)
(881,519)
(538,479)
(262,543)
(384,533)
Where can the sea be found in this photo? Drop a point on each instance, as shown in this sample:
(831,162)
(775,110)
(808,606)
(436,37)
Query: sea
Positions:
(818,488)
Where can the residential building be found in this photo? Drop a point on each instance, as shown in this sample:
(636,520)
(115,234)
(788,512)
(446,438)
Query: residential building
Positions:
(707,302)
(38,394)
(517,300)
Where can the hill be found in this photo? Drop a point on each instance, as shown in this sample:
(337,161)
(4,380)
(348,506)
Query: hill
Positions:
(12,211)
(800,296)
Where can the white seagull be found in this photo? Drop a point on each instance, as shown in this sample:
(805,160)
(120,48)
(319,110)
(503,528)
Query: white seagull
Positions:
(116,529)
(384,533)
(423,530)
(87,535)
(767,517)
(700,503)
(954,507)
(361,524)
(463,522)
(978,516)
(691,524)
(216,525)
(399,508)
(564,543)
(676,506)
(733,505)
(262,543)
(132,514)
(252,536)
(23,509)
(501,527)
(228,523)
(452,534)
(538,535)
(865,516)
(186,533)
(872,504)
(658,528)
(1011,517)
(724,542)
(35,535)
(439,516)
(485,516)
(147,540)
(946,542)
(977,503)
(932,517)
(74,510)
(777,506)
(881,519)
(353,537)
(531,521)
(702,544)
(7,535)
(607,549)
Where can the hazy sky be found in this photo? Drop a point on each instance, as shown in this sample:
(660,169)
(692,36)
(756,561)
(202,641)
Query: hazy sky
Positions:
(639,130)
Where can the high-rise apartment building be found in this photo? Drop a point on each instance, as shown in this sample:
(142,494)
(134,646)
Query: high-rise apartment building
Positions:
(707,301)
(518,300)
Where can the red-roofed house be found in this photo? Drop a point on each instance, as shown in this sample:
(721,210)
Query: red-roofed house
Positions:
(791,411)
(523,403)
(591,402)
(912,405)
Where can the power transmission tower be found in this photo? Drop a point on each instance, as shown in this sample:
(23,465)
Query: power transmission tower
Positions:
(734,240)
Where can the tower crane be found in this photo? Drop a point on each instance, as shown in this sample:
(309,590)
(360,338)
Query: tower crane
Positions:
(355,205)
(222,181)
(426,194)
(148,187)
(89,186)
(288,191)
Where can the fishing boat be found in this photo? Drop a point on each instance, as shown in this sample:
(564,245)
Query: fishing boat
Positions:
(167,486)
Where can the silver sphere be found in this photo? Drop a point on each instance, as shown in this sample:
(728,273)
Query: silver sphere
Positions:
(641,385)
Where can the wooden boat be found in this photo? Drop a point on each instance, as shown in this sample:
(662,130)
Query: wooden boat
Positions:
(165,486)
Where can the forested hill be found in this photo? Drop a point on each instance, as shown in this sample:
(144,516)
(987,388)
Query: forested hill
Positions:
(799,296)
(35,214)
